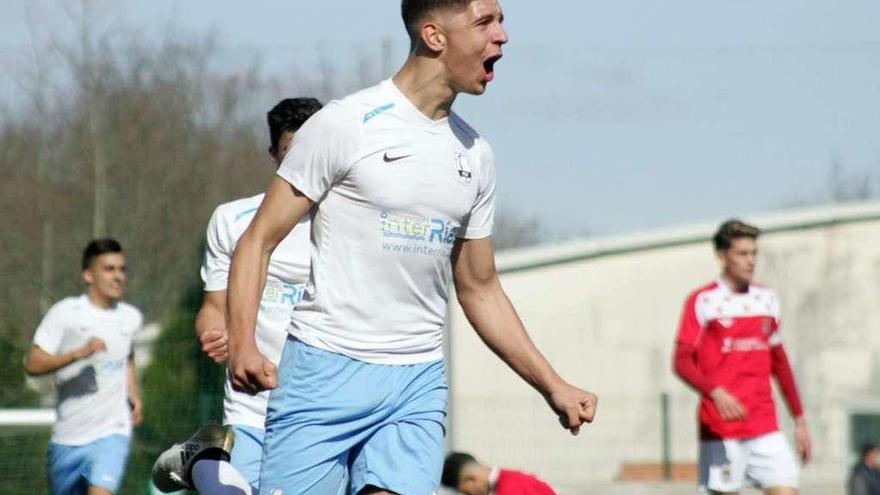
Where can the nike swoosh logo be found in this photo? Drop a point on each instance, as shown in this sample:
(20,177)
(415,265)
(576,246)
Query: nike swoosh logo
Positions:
(389,159)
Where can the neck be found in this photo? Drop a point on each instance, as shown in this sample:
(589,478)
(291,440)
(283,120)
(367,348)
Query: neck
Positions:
(733,284)
(422,81)
(100,300)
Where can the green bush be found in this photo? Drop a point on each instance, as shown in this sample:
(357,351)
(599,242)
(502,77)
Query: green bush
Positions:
(181,390)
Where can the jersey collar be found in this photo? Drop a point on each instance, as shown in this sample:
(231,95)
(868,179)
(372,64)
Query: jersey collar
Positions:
(727,290)
(493,479)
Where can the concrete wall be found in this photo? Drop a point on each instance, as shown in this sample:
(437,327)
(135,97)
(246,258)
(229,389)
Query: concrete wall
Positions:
(605,313)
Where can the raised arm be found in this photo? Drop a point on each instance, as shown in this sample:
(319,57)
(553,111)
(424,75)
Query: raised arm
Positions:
(280,211)
(493,317)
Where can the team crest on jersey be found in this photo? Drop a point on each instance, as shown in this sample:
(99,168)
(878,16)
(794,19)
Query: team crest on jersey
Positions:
(726,473)
(464,171)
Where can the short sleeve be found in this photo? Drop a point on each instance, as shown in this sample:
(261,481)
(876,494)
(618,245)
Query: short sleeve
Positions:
(51,330)
(481,218)
(689,329)
(322,152)
(218,254)
(138,319)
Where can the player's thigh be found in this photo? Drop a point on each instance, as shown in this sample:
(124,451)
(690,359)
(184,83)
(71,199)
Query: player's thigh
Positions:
(301,460)
(108,459)
(327,477)
(405,458)
(247,453)
(722,466)
(772,464)
(66,469)
(312,421)
(405,454)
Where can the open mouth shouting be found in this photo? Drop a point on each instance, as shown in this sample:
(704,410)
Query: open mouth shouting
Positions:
(489,67)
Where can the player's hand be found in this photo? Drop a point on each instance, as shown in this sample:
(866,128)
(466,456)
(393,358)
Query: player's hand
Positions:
(802,440)
(728,405)
(92,346)
(250,371)
(573,406)
(215,344)
(137,410)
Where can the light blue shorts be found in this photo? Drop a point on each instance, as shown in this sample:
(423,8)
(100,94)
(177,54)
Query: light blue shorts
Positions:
(73,468)
(247,453)
(336,424)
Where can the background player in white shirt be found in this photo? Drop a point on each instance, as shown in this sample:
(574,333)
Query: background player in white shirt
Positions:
(86,342)
(403,192)
(287,274)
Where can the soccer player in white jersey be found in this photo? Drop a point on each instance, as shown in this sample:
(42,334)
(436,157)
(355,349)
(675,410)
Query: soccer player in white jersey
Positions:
(86,342)
(401,192)
(287,274)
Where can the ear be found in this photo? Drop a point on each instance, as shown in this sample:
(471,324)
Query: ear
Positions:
(433,37)
(88,277)
(274,156)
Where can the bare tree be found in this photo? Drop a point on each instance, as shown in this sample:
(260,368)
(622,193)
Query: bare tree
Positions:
(136,138)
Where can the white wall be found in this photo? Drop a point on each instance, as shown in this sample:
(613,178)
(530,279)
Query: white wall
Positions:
(608,323)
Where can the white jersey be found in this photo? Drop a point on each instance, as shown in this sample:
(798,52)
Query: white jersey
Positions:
(288,272)
(92,393)
(394,190)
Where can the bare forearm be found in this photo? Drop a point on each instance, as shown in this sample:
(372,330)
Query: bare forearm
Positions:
(40,362)
(133,388)
(495,320)
(247,277)
(210,317)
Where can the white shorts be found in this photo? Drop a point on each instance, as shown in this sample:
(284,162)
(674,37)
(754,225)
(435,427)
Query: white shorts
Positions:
(766,461)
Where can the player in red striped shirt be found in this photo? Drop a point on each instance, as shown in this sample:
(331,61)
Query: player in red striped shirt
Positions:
(728,347)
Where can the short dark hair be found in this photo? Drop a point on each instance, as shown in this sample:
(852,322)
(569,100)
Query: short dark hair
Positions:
(452,467)
(733,229)
(866,448)
(288,116)
(413,11)
(96,248)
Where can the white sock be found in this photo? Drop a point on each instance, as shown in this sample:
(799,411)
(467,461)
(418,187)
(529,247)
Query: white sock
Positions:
(212,477)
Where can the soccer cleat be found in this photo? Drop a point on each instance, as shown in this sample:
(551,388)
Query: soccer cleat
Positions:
(173,469)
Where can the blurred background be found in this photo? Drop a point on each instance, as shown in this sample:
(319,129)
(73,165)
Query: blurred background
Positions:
(623,133)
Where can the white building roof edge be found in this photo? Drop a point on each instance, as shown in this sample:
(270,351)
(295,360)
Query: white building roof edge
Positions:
(770,222)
